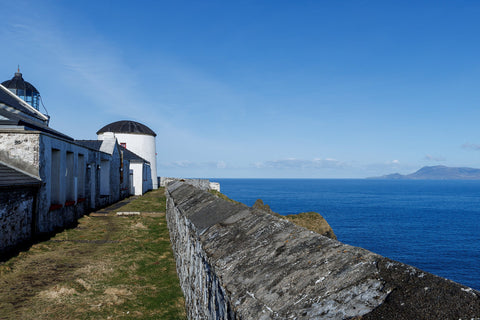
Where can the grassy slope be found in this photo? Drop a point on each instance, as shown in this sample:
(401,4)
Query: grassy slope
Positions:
(309,220)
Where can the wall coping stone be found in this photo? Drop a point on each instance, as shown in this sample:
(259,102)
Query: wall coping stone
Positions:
(269,268)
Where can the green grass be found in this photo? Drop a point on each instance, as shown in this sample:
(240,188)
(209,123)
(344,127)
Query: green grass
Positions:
(130,276)
(224,197)
(152,201)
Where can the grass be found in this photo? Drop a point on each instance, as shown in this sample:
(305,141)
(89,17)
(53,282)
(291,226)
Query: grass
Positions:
(312,221)
(222,196)
(149,202)
(108,267)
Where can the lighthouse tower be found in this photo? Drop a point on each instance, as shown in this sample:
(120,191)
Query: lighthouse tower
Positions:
(137,138)
(23,89)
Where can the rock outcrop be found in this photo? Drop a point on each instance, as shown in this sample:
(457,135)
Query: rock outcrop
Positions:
(236,262)
(310,220)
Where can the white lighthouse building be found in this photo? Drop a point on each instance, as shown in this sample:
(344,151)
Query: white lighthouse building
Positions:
(135,137)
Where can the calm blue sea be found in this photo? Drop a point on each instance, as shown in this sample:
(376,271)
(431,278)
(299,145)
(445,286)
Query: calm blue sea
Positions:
(433,225)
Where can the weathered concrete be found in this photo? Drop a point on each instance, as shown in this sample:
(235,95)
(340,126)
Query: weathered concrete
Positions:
(16,220)
(236,262)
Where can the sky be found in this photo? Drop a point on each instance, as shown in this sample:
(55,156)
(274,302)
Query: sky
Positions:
(260,89)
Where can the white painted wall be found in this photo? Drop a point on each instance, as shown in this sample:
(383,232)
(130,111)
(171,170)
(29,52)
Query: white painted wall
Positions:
(137,168)
(142,145)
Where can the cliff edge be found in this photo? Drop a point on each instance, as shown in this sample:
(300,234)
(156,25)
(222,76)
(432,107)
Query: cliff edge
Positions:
(236,262)
(310,220)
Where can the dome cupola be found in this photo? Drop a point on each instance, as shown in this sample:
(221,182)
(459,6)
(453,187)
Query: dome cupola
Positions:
(126,126)
(23,89)
(137,138)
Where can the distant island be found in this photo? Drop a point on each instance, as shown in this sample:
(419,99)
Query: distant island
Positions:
(436,173)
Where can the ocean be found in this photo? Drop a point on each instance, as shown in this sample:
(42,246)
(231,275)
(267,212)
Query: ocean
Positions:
(432,225)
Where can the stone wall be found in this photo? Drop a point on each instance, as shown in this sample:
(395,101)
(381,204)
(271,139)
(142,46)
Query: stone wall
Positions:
(236,262)
(203,184)
(21,149)
(16,208)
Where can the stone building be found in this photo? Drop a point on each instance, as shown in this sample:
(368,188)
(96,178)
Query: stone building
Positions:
(61,178)
(140,172)
(139,139)
(18,190)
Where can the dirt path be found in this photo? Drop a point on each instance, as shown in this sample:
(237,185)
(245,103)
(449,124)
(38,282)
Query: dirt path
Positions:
(108,267)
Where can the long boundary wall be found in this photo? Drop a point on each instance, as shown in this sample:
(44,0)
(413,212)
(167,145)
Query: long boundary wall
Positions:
(235,262)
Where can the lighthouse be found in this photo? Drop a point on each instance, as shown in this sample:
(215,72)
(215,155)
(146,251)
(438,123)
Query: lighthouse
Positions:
(137,138)
(23,89)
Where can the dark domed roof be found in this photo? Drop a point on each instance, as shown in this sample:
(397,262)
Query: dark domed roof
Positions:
(17,82)
(126,126)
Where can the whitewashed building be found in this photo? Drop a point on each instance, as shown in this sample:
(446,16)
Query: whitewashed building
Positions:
(62,178)
(139,139)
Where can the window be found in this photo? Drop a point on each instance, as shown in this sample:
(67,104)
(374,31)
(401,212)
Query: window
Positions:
(121,167)
(55,197)
(81,176)
(70,178)
(105,178)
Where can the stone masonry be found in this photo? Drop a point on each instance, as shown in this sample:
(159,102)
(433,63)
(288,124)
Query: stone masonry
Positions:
(16,206)
(21,150)
(236,262)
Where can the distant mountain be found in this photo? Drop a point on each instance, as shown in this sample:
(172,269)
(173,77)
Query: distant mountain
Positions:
(437,173)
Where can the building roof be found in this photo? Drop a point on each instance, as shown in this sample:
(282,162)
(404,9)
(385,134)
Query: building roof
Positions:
(11,176)
(97,145)
(131,156)
(91,144)
(10,99)
(17,82)
(12,120)
(127,126)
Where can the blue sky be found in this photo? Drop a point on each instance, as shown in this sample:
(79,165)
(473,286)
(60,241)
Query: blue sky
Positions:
(260,89)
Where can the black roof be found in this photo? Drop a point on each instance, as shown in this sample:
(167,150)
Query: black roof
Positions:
(96,144)
(127,126)
(92,144)
(16,120)
(7,99)
(10,176)
(131,156)
(17,82)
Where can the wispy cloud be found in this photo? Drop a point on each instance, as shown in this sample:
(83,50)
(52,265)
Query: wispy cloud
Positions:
(434,158)
(187,164)
(300,164)
(95,76)
(389,167)
(91,66)
(471,146)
